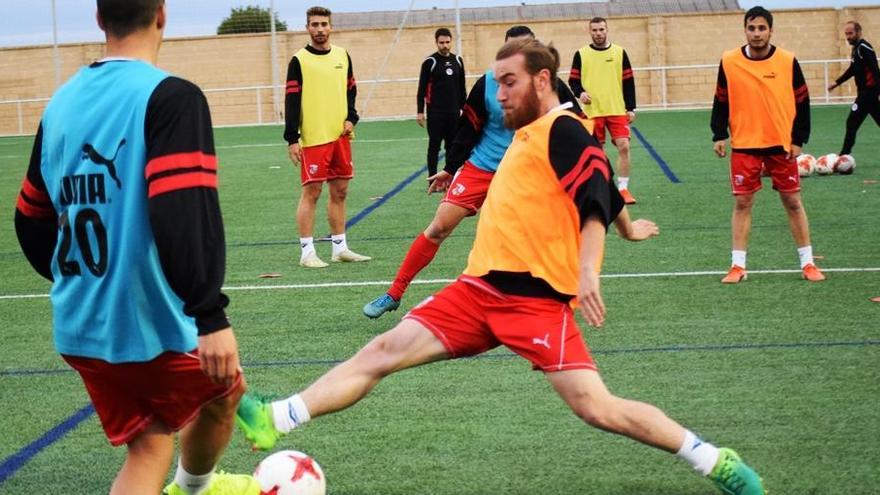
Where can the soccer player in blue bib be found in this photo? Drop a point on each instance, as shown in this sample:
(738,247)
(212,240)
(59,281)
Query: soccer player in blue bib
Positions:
(119,209)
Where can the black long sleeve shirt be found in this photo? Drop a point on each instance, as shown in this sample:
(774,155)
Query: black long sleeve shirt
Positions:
(863,67)
(441,84)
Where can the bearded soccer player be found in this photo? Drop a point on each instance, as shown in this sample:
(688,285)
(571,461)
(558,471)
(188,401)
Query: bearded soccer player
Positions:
(319,117)
(442,91)
(602,79)
(867,75)
(119,209)
(537,254)
(762,97)
(479,146)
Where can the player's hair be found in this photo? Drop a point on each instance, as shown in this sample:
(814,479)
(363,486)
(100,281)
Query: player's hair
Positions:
(538,56)
(442,32)
(517,31)
(856,26)
(317,11)
(120,18)
(758,11)
(598,20)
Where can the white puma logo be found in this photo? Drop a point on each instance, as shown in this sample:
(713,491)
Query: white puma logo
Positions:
(544,342)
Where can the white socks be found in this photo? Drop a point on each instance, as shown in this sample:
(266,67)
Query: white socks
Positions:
(806,255)
(701,455)
(339,244)
(192,484)
(289,413)
(308,247)
(623,183)
(738,258)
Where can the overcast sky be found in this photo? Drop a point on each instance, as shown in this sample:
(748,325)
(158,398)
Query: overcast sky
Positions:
(29,22)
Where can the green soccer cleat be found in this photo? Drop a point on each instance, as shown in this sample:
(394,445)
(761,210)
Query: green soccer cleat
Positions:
(254,417)
(223,484)
(381,305)
(734,477)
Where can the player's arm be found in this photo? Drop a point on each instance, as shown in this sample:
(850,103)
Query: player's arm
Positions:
(462,90)
(566,96)
(424,79)
(869,58)
(293,101)
(36,221)
(634,230)
(574,76)
(629,85)
(720,113)
(800,129)
(351,95)
(470,127)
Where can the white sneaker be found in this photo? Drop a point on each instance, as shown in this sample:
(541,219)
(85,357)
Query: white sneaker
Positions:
(349,256)
(312,261)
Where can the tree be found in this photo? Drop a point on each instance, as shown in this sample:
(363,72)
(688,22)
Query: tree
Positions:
(250,19)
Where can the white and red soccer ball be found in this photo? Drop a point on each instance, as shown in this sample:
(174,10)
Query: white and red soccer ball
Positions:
(845,164)
(290,472)
(825,164)
(806,164)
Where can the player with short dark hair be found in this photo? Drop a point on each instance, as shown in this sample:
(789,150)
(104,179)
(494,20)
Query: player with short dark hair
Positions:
(763,98)
(537,255)
(319,120)
(119,209)
(863,67)
(440,97)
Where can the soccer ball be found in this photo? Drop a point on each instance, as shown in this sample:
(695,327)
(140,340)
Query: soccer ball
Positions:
(825,164)
(806,165)
(845,164)
(289,472)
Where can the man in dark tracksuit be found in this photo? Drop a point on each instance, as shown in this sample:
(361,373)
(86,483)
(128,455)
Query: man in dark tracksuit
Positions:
(441,89)
(864,69)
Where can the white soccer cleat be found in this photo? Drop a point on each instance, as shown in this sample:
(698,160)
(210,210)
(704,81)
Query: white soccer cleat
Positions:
(312,261)
(349,256)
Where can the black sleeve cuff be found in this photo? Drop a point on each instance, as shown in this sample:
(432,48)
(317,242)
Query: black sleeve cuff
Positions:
(211,322)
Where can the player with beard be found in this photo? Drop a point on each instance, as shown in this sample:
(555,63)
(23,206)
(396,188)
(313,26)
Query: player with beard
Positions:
(319,117)
(537,255)
(867,75)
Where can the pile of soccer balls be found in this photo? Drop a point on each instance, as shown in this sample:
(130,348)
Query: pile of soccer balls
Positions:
(290,472)
(825,165)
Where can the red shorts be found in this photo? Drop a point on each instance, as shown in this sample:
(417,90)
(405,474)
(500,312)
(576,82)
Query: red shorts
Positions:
(617,124)
(327,162)
(470,317)
(745,172)
(469,187)
(129,396)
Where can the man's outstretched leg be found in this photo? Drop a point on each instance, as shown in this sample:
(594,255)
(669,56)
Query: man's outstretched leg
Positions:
(406,345)
(586,394)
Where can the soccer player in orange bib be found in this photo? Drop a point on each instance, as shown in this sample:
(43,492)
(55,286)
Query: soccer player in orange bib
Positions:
(536,256)
(762,96)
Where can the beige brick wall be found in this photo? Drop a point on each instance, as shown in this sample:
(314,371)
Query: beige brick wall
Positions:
(245,60)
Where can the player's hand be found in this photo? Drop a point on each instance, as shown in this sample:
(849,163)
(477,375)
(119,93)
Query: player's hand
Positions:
(589,299)
(795,151)
(720,148)
(630,116)
(347,128)
(218,356)
(643,229)
(439,182)
(832,86)
(296,153)
(420,119)
(585,98)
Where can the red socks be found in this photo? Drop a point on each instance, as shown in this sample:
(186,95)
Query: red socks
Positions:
(420,254)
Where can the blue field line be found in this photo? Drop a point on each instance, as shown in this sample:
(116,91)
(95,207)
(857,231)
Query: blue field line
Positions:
(656,156)
(15,462)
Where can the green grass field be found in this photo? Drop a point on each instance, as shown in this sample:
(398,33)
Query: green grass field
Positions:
(786,372)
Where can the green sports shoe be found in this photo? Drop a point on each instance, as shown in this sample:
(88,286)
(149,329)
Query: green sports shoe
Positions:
(223,484)
(734,477)
(254,417)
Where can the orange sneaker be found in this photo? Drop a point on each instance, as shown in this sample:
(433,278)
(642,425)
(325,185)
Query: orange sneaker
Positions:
(812,273)
(736,275)
(627,197)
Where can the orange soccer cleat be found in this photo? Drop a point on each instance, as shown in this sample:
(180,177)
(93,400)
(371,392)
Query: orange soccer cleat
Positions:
(812,274)
(736,275)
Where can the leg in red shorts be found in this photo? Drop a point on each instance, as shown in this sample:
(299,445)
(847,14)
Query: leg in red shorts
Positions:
(469,187)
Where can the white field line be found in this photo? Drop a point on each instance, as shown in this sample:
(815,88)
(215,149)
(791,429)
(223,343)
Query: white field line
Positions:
(437,281)
(281,144)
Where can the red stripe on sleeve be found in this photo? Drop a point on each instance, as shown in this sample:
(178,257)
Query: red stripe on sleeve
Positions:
(721,94)
(31,191)
(180,160)
(351,83)
(627,74)
(198,178)
(472,117)
(574,74)
(34,211)
(293,87)
(592,160)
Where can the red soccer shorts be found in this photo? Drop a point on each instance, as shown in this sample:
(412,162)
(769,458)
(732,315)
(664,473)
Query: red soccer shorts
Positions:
(470,317)
(327,162)
(129,396)
(617,124)
(745,173)
(469,187)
